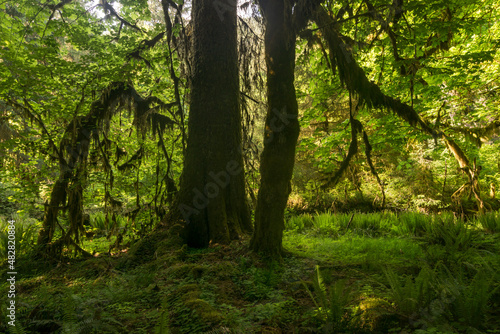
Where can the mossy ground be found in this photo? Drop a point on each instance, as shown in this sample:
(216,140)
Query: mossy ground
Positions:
(366,278)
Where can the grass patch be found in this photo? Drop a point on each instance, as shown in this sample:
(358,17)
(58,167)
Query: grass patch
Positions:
(356,250)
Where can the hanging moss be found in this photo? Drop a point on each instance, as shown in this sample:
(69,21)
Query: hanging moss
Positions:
(356,128)
(73,153)
(355,80)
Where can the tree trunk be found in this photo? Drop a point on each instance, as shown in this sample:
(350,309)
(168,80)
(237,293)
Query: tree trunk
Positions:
(73,151)
(57,200)
(67,192)
(212,197)
(281,129)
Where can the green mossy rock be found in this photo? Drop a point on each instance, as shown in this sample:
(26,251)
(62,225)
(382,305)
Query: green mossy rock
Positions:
(182,270)
(204,310)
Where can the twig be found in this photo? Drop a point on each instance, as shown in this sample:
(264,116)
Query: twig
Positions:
(348,224)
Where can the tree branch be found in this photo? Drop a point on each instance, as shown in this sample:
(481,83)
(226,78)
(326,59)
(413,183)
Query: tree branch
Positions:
(33,115)
(354,78)
(107,7)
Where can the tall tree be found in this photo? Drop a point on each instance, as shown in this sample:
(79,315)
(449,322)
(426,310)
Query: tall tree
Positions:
(212,198)
(282,126)
(284,19)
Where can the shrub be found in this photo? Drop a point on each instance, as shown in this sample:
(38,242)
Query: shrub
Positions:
(490,222)
(449,232)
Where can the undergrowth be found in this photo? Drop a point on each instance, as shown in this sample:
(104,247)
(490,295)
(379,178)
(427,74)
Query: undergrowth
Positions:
(347,273)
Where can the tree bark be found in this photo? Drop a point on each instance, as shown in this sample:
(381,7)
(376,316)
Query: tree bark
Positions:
(212,198)
(67,193)
(281,129)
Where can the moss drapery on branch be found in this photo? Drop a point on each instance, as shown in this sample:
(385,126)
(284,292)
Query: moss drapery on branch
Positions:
(356,128)
(67,192)
(355,80)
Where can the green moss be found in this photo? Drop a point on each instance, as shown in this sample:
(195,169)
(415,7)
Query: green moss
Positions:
(197,271)
(190,295)
(182,253)
(204,310)
(189,312)
(94,267)
(377,314)
(181,270)
(173,240)
(223,270)
(184,289)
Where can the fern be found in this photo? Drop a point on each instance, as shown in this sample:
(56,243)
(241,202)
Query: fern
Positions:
(162,327)
(412,296)
(17,329)
(412,224)
(470,302)
(323,222)
(320,287)
(69,309)
(339,298)
(26,234)
(331,303)
(490,222)
(451,233)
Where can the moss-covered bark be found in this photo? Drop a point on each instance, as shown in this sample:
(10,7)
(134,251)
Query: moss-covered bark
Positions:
(73,151)
(211,198)
(281,129)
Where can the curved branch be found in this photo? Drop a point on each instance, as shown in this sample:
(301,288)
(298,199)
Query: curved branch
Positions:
(354,78)
(368,154)
(356,128)
(107,7)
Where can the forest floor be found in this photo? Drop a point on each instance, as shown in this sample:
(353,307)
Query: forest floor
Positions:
(336,277)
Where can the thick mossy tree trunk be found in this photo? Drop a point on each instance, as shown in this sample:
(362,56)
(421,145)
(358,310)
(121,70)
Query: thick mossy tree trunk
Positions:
(281,129)
(57,201)
(73,151)
(211,198)
(67,192)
